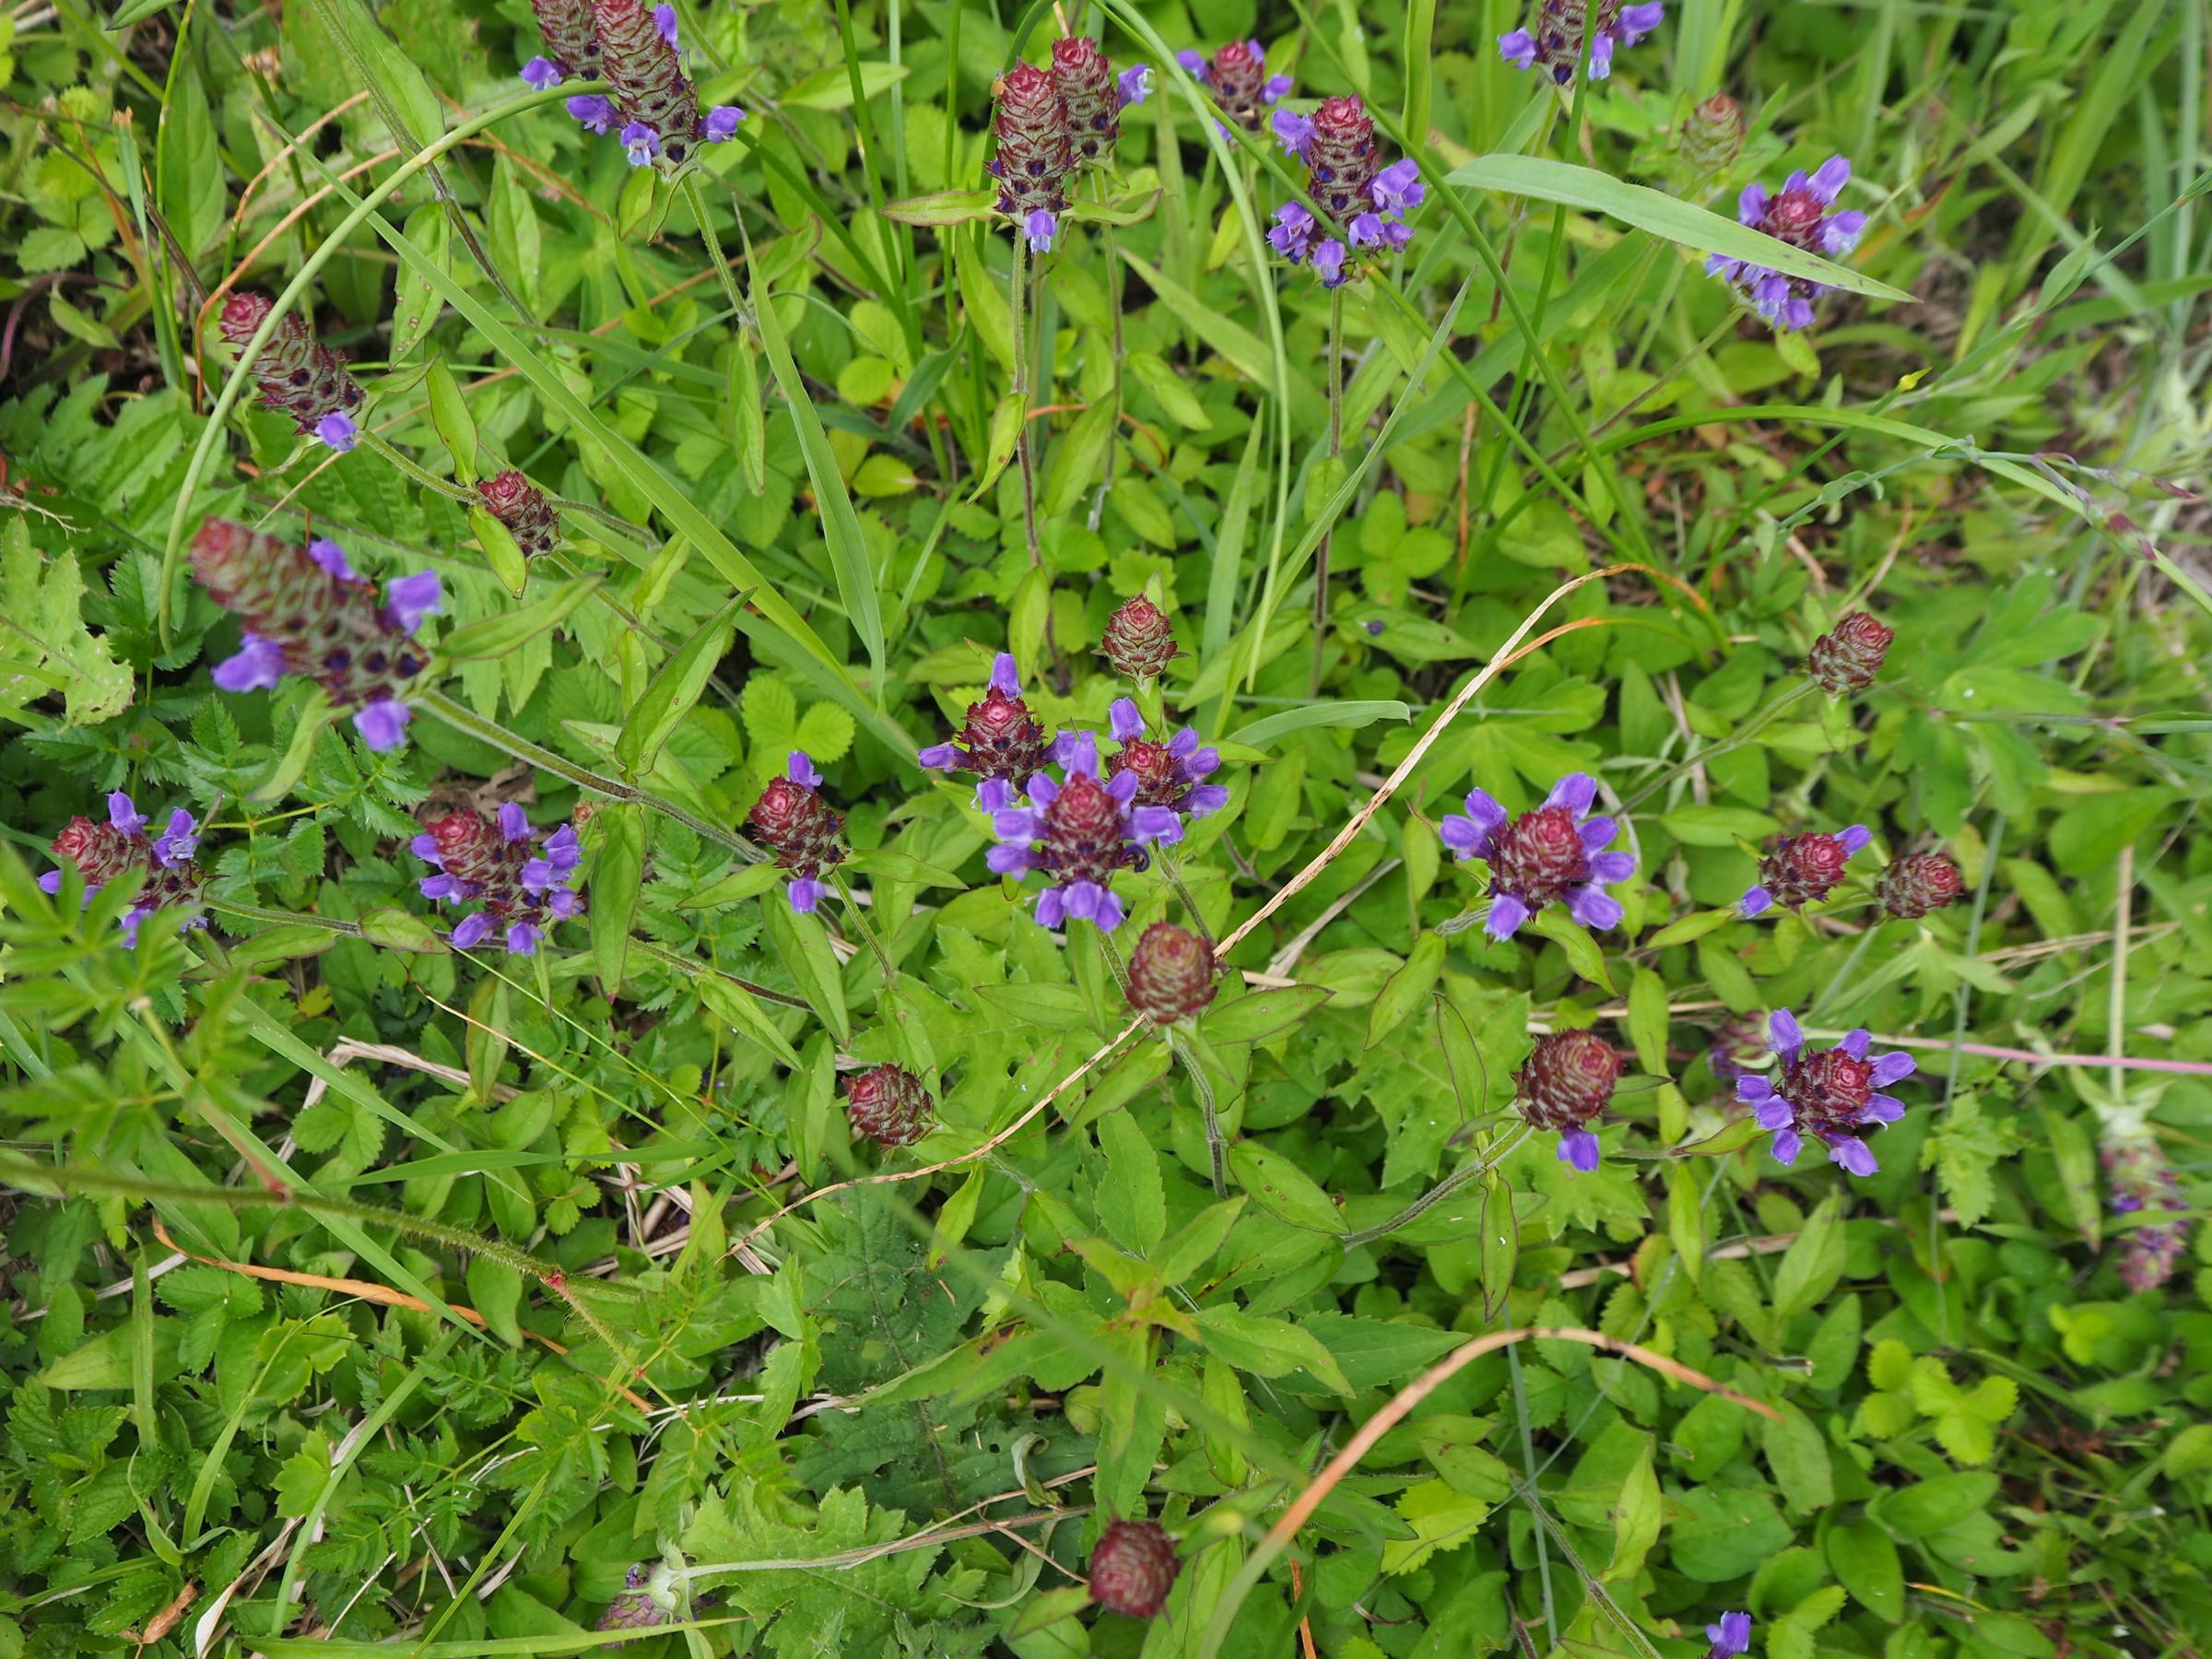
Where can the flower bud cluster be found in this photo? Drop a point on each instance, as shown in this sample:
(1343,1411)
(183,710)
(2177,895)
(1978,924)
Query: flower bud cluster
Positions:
(297,376)
(1798,215)
(1563,27)
(650,97)
(1237,76)
(792,820)
(308,612)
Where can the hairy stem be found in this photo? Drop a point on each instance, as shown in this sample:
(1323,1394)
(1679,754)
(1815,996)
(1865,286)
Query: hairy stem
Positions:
(1321,554)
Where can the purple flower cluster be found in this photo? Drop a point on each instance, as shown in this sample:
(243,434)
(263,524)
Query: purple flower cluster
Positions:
(1829,1094)
(1731,1637)
(1553,854)
(653,100)
(1076,832)
(1363,204)
(1798,215)
(1556,42)
(1801,870)
(524,886)
(102,852)
(1237,77)
(1171,774)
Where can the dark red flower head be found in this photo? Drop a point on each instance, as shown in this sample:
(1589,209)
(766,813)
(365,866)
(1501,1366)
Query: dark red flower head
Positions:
(1849,655)
(1803,869)
(521,506)
(1139,641)
(1133,1568)
(890,1106)
(1341,158)
(1170,974)
(1918,883)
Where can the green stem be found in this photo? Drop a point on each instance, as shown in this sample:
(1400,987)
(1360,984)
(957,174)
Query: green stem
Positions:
(428,480)
(1736,739)
(1321,554)
(1435,1195)
(685,966)
(444,708)
(364,210)
(1022,450)
(866,929)
(259,912)
(1217,1150)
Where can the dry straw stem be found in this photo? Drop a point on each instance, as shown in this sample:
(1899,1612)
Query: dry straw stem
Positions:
(1302,1507)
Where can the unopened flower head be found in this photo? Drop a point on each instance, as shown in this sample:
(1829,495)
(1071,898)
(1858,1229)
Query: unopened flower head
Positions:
(890,1106)
(653,100)
(1802,870)
(1730,1638)
(2144,1183)
(1830,1095)
(1797,214)
(1555,854)
(523,885)
(1567,1080)
(637,1608)
(1713,134)
(521,506)
(1170,974)
(1075,833)
(308,612)
(1918,884)
(1847,658)
(795,823)
(1036,153)
(1237,76)
(102,852)
(1139,640)
(571,44)
(1132,1567)
(1363,202)
(1171,774)
(1001,737)
(1094,96)
(296,376)
(1555,45)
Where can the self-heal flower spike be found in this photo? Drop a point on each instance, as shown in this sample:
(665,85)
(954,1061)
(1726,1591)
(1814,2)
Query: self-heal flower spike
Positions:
(1139,641)
(1170,974)
(1552,856)
(308,613)
(1566,1082)
(890,1106)
(1918,885)
(1847,658)
(1094,97)
(1798,214)
(1713,134)
(1132,1567)
(795,823)
(1730,1638)
(1036,152)
(1001,738)
(2143,1181)
(1802,870)
(1830,1094)
(296,376)
(654,99)
(1554,44)
(1075,833)
(636,1608)
(1363,202)
(1242,86)
(521,506)
(524,886)
(1171,774)
(102,852)
(571,44)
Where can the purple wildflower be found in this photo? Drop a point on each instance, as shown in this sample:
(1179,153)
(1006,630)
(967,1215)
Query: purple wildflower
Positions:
(1293,231)
(639,143)
(1292,131)
(522,886)
(336,430)
(1328,261)
(595,111)
(793,821)
(541,73)
(1041,226)
(1078,832)
(663,19)
(1171,774)
(1133,84)
(1556,42)
(2143,1181)
(102,852)
(1194,65)
(1801,870)
(1798,215)
(1830,1094)
(1555,853)
(1731,1637)
(1000,737)
(720,124)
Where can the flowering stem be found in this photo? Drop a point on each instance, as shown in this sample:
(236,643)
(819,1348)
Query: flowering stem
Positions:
(692,968)
(1736,739)
(428,480)
(1168,869)
(489,731)
(1020,307)
(1321,554)
(866,929)
(1437,1193)
(1216,1149)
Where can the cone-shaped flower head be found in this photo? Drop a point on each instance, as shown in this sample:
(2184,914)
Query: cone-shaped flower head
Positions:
(1798,214)
(1075,833)
(652,101)
(1001,737)
(1918,884)
(1170,974)
(307,611)
(296,376)
(636,1608)
(1132,1567)
(571,44)
(1847,658)
(890,1106)
(1363,202)
(521,506)
(1730,1638)
(524,886)
(1552,856)
(1139,640)
(1340,158)
(1242,85)
(102,852)
(1171,774)
(795,823)
(1712,138)
(1802,870)
(1554,44)
(1036,152)
(1567,1080)
(2143,1181)
(1829,1094)
(1094,96)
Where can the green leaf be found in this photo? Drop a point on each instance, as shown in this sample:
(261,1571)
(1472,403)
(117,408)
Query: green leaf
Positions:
(1442,1518)
(1866,1563)
(45,646)
(1076,460)
(456,428)
(804,947)
(1647,1020)
(616,875)
(1268,1347)
(832,88)
(1929,1506)
(105,1361)
(1583,954)
(1050,1607)
(1130,1202)
(1260,734)
(670,694)
(1814,1261)
(945,208)
(1282,1189)
(1544,180)
(1263,1015)
(736,1005)
(1407,990)
(495,635)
